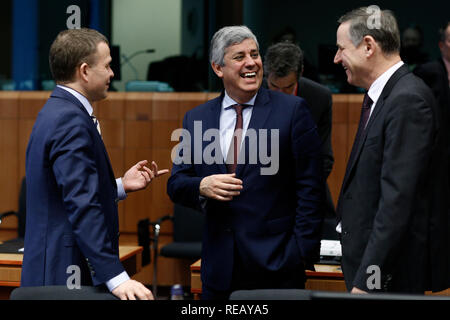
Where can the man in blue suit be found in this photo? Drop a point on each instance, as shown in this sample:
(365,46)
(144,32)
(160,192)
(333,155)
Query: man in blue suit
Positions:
(72,220)
(261,195)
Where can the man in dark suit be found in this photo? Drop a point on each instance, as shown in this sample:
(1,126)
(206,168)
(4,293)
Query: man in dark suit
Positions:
(392,207)
(71,234)
(263,215)
(436,75)
(283,67)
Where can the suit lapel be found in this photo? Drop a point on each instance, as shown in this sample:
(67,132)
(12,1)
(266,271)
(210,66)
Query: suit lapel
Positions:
(260,113)
(212,121)
(403,70)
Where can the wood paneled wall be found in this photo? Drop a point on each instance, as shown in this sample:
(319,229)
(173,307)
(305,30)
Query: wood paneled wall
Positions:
(138,126)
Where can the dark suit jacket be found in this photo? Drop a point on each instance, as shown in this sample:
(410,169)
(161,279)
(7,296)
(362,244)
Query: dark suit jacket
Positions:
(393,197)
(274,224)
(320,104)
(434,74)
(72,214)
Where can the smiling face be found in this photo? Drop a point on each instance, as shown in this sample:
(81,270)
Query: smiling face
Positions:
(242,72)
(350,57)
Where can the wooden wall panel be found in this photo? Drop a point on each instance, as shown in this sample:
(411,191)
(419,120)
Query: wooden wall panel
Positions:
(31,102)
(138,106)
(137,126)
(138,205)
(9,175)
(9,105)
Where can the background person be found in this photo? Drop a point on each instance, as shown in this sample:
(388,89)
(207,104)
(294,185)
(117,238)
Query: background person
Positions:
(283,66)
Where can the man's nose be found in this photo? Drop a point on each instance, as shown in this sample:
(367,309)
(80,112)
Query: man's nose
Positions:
(249,61)
(337,57)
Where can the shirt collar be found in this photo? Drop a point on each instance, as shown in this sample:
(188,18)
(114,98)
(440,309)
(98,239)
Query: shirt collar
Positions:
(227,101)
(378,85)
(80,97)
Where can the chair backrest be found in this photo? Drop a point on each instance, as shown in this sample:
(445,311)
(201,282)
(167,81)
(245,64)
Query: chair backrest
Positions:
(61,293)
(187,224)
(22,212)
(148,86)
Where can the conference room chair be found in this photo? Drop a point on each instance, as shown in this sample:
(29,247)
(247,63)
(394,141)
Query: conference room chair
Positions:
(186,242)
(148,86)
(13,245)
(61,293)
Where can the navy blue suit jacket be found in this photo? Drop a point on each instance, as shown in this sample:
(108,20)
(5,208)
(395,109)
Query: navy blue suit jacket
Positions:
(71,198)
(274,224)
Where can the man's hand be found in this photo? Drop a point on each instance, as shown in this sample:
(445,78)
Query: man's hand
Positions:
(222,187)
(355,290)
(139,176)
(132,290)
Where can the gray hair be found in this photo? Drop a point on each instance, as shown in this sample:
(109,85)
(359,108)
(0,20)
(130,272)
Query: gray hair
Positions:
(226,37)
(283,58)
(385,31)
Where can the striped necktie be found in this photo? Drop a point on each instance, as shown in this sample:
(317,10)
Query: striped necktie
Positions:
(97,124)
(233,151)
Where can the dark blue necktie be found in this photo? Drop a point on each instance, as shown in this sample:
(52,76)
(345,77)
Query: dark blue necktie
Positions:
(365,112)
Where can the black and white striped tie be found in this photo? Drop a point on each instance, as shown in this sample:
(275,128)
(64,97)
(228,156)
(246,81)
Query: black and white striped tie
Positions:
(97,124)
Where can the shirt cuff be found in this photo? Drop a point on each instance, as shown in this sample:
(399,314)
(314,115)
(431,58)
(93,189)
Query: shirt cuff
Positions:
(121,194)
(339,228)
(117,281)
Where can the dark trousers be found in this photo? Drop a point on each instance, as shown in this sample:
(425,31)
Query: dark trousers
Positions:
(245,278)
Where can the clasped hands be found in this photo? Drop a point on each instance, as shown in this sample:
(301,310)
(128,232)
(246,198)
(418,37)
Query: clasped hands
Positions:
(139,176)
(222,187)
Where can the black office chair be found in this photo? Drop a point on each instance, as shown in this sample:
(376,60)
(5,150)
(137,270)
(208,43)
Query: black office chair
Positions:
(61,293)
(13,245)
(187,238)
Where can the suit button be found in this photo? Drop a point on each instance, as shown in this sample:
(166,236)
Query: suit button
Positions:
(118,234)
(228,230)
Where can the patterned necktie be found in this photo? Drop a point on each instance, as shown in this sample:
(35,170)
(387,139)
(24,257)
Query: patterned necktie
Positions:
(97,124)
(233,151)
(365,112)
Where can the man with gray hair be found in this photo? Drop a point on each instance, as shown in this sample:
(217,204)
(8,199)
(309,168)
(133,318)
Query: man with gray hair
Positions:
(261,229)
(392,207)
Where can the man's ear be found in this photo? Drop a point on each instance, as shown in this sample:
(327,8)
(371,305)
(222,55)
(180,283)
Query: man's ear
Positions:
(369,46)
(83,71)
(217,69)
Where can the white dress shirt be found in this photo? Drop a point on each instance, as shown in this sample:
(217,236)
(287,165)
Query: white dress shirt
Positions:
(228,121)
(121,194)
(374,93)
